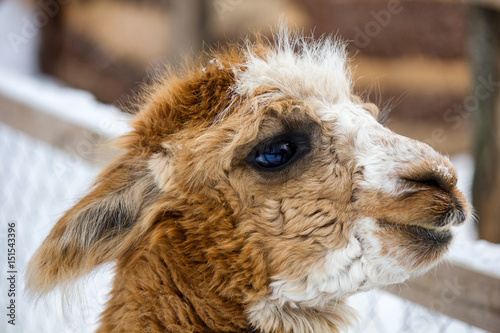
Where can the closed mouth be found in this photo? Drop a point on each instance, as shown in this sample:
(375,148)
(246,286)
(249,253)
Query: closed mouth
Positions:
(438,236)
(421,235)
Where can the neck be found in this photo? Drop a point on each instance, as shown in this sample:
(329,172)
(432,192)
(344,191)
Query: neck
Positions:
(330,318)
(158,288)
(173,283)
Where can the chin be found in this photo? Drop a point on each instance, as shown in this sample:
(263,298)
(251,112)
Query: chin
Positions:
(397,252)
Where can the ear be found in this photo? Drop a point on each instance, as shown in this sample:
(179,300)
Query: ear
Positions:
(99,228)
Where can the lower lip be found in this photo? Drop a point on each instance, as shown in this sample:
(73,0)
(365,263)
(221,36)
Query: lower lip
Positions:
(436,237)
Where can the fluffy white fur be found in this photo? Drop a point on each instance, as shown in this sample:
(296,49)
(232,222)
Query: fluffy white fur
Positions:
(299,67)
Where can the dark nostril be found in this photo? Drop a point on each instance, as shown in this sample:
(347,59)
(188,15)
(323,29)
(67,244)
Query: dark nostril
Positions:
(432,180)
(429,175)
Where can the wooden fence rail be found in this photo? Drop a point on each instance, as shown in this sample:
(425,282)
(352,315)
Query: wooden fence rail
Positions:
(458,292)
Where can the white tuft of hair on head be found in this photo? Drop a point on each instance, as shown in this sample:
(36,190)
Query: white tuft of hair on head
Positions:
(298,66)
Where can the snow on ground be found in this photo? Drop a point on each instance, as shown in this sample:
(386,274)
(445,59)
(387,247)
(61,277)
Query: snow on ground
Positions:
(34,196)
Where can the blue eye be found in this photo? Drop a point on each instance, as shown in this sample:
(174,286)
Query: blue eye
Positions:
(275,154)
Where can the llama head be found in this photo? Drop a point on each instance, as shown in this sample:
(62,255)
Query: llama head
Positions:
(273,181)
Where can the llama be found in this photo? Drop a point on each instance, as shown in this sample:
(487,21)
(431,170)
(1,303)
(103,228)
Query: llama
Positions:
(255,193)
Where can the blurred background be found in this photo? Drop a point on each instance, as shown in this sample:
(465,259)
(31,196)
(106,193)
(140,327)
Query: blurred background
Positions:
(69,69)
(410,56)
